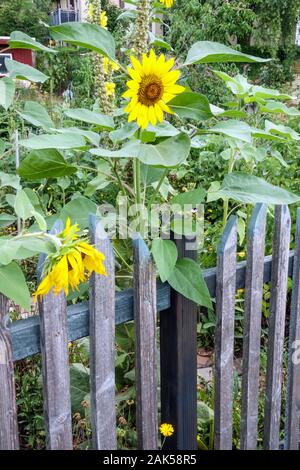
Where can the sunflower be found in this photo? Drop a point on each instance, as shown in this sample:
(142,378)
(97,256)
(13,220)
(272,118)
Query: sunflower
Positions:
(167,3)
(152,86)
(74,262)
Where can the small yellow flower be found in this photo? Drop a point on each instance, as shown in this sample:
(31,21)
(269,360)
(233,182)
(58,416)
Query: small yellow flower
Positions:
(166,430)
(110,88)
(152,85)
(167,3)
(72,264)
(242,254)
(103,19)
(109,65)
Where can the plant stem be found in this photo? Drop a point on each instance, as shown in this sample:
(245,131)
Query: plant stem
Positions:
(226,201)
(153,197)
(137,180)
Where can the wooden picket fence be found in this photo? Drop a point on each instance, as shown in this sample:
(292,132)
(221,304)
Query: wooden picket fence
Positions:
(57,324)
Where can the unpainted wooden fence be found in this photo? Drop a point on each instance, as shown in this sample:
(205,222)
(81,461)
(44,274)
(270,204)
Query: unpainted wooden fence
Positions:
(57,324)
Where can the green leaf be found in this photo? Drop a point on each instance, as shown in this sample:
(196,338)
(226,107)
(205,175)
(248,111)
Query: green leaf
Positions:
(236,129)
(50,141)
(251,189)
(163,129)
(7,180)
(87,35)
(91,117)
(191,105)
(282,131)
(78,210)
(36,114)
(80,385)
(165,256)
(23,206)
(96,184)
(204,52)
(47,163)
(194,197)
(6,220)
(19,40)
(10,277)
(124,132)
(130,150)
(7,92)
(24,71)
(168,153)
(238,85)
(90,136)
(276,107)
(187,279)
(260,92)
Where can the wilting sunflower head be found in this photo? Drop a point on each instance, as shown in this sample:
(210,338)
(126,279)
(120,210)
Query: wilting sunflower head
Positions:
(152,86)
(71,264)
(167,3)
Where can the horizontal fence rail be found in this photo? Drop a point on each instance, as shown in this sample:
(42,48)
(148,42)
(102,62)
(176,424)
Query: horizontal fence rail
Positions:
(26,333)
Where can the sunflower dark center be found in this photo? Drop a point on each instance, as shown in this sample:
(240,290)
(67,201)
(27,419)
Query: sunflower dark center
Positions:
(151,90)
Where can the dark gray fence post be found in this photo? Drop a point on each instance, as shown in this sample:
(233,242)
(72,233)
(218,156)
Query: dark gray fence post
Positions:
(178,350)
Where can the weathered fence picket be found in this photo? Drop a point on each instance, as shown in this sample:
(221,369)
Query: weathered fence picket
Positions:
(292,425)
(59,324)
(224,336)
(102,345)
(252,327)
(55,369)
(281,243)
(145,346)
(9,439)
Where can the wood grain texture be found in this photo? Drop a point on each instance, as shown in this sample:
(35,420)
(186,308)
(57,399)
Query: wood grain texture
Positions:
(224,336)
(292,422)
(102,344)
(9,439)
(178,358)
(252,327)
(280,262)
(145,346)
(55,368)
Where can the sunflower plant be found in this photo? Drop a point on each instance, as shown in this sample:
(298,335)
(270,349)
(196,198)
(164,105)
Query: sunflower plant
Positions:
(143,125)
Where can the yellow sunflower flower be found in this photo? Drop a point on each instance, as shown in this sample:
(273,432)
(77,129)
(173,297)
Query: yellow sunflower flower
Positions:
(152,86)
(103,19)
(167,430)
(167,3)
(110,88)
(74,262)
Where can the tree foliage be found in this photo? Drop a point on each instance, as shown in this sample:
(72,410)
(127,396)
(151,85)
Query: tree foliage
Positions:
(28,16)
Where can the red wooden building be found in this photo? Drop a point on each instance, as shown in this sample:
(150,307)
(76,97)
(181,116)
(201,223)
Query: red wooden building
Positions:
(25,56)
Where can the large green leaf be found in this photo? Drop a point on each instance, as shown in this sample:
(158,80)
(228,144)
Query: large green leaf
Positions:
(90,136)
(91,117)
(282,131)
(48,163)
(23,206)
(169,153)
(6,220)
(78,210)
(274,107)
(187,279)
(260,92)
(236,129)
(204,52)
(9,180)
(80,386)
(7,92)
(165,256)
(251,189)
(87,35)
(51,141)
(194,197)
(19,40)
(191,105)
(24,72)
(36,114)
(124,132)
(10,277)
